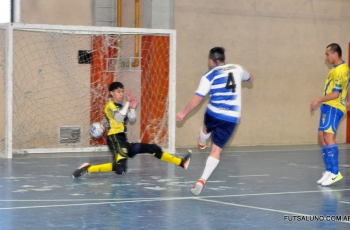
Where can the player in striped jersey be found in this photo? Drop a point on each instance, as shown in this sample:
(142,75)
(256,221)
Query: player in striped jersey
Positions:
(223,83)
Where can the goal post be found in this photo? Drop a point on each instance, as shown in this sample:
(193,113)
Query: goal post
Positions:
(55,84)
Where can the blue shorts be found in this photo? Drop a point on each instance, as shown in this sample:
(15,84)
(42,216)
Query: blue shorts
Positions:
(221,130)
(329,119)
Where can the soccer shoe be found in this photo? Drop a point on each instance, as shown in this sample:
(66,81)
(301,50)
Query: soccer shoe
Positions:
(186,160)
(332,179)
(201,145)
(197,188)
(324,177)
(81,171)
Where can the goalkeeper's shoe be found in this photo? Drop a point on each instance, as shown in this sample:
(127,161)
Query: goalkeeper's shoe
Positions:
(81,171)
(186,160)
(198,187)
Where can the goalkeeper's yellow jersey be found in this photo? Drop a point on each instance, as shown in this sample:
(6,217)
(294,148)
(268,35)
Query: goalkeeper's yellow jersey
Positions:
(337,81)
(114,127)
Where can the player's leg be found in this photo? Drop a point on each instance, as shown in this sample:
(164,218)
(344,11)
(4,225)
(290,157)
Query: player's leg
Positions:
(155,150)
(87,168)
(211,163)
(120,149)
(333,151)
(81,170)
(333,159)
(221,133)
(325,157)
(203,137)
(324,124)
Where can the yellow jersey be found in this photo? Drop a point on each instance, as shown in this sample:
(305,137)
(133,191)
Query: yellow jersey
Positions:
(114,127)
(337,81)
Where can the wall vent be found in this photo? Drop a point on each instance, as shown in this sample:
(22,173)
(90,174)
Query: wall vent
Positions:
(70,134)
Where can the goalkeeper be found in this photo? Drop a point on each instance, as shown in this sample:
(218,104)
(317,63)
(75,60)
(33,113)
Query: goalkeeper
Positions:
(118,116)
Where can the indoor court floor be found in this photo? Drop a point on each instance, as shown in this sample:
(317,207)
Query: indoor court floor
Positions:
(252,188)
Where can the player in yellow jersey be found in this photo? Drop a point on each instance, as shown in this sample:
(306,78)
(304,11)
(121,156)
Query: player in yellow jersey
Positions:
(333,108)
(118,116)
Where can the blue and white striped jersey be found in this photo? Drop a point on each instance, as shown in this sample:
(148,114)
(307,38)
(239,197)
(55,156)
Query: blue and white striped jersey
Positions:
(223,83)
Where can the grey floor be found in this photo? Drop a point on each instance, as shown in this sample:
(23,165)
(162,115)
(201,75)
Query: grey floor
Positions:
(252,188)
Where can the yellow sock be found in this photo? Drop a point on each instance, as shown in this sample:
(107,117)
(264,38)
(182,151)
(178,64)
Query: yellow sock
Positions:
(100,168)
(171,159)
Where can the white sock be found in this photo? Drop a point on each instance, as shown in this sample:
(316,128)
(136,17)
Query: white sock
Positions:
(209,167)
(202,136)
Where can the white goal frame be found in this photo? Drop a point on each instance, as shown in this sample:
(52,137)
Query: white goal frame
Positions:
(9,66)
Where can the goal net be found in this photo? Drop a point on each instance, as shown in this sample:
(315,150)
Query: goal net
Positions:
(55,84)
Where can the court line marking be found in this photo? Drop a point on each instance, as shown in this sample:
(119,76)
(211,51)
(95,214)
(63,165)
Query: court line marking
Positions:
(183,198)
(272,150)
(228,151)
(96,155)
(251,175)
(69,205)
(261,151)
(180,153)
(58,156)
(264,209)
(178,198)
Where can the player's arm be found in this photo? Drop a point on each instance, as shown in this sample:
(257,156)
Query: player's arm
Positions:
(119,115)
(246,76)
(112,112)
(348,98)
(336,91)
(125,111)
(328,97)
(203,89)
(190,106)
(133,103)
(132,115)
(251,78)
